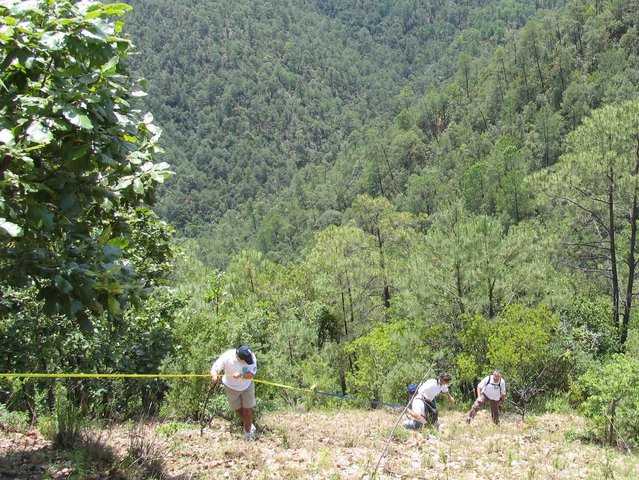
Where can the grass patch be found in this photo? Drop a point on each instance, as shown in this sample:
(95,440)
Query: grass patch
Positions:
(12,421)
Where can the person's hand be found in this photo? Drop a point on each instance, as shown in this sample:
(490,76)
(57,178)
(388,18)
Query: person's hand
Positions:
(237,375)
(452,400)
(215,378)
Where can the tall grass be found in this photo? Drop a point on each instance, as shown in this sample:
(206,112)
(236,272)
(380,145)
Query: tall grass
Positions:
(65,426)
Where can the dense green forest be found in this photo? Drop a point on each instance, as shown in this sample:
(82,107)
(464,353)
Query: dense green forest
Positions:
(363,191)
(258,101)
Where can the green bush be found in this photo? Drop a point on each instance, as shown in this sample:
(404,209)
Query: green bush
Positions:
(558,403)
(12,421)
(610,400)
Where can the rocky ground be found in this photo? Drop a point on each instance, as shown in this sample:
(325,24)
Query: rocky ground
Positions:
(325,445)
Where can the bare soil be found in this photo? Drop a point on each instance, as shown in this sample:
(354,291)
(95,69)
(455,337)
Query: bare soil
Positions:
(325,445)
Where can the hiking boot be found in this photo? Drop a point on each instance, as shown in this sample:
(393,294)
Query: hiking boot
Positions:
(249,436)
(252,428)
(436,425)
(468,421)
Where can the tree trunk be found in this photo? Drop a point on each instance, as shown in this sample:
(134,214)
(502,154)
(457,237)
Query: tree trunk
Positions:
(536,52)
(344,315)
(491,299)
(460,290)
(386,296)
(632,262)
(614,276)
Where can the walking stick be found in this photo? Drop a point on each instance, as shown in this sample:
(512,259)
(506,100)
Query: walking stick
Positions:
(213,388)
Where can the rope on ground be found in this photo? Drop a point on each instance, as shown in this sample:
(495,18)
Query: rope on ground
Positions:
(390,437)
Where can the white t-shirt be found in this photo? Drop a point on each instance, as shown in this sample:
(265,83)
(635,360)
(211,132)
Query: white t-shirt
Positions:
(492,389)
(229,362)
(431,388)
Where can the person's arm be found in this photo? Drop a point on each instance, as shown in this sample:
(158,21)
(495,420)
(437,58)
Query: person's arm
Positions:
(216,368)
(450,397)
(481,385)
(503,392)
(247,375)
(415,416)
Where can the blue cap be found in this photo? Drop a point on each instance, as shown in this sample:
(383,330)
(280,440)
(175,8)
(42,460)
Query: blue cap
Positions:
(411,388)
(244,353)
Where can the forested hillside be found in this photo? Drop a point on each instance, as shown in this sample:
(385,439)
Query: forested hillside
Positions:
(258,99)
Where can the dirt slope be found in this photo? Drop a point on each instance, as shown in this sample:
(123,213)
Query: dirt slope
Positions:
(336,445)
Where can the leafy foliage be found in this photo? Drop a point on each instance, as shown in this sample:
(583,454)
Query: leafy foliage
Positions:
(610,398)
(74,154)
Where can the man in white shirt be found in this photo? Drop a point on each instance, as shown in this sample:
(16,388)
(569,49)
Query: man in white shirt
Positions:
(239,366)
(424,405)
(493,389)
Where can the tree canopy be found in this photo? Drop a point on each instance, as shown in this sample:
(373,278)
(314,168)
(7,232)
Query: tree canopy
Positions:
(75,155)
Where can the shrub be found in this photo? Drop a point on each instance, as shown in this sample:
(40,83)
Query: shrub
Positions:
(610,400)
(12,421)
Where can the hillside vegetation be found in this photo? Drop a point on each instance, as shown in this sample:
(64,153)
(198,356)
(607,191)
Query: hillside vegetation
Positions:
(258,100)
(367,193)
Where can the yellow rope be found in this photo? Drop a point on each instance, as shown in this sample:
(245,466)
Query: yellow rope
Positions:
(134,375)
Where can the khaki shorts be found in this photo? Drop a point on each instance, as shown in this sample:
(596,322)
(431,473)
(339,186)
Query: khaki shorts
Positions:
(245,399)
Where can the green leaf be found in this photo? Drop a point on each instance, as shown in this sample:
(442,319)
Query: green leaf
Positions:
(76,117)
(77,160)
(114,305)
(6,33)
(18,8)
(138,186)
(40,216)
(6,137)
(68,201)
(100,36)
(89,78)
(10,228)
(105,235)
(53,41)
(63,285)
(106,204)
(38,133)
(110,65)
(124,183)
(107,10)
(111,252)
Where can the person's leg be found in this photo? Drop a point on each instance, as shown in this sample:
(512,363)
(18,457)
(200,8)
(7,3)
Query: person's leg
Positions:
(476,406)
(240,413)
(248,404)
(416,417)
(248,419)
(494,411)
(235,402)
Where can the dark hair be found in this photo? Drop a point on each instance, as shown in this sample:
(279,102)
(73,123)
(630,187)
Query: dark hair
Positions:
(445,377)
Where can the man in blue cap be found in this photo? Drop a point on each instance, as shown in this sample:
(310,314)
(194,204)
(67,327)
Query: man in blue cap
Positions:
(239,366)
